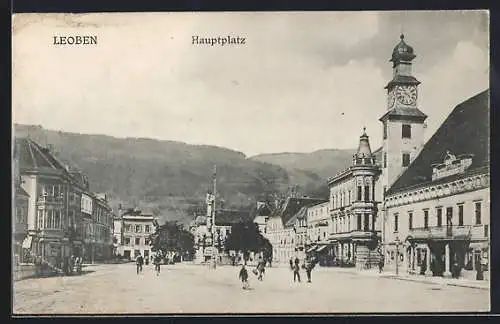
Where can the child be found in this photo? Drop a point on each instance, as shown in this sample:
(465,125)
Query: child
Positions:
(244,276)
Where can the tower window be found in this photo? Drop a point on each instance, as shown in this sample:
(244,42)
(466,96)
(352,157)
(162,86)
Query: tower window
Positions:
(396,223)
(426,218)
(406,159)
(406,131)
(410,220)
(385,130)
(385,159)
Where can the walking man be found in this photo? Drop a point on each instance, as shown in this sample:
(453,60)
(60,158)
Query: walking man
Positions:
(244,276)
(157,263)
(296,274)
(139,260)
(309,265)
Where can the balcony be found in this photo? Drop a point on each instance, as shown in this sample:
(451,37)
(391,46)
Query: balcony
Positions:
(357,235)
(50,200)
(364,204)
(454,232)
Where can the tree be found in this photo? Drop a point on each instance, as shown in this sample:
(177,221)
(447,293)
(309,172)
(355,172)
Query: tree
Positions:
(172,237)
(245,237)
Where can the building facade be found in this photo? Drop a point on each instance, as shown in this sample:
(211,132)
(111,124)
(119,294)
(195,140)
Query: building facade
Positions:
(136,231)
(354,210)
(56,221)
(438,217)
(318,231)
(281,233)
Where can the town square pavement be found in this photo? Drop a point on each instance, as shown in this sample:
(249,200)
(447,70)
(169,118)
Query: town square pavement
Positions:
(187,288)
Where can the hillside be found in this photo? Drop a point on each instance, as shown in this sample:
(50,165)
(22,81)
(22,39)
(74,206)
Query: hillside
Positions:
(324,163)
(169,177)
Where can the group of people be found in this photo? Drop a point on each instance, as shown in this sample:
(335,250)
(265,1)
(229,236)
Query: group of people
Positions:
(308,265)
(157,259)
(258,271)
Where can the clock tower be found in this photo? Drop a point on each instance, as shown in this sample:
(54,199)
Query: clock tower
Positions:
(403,123)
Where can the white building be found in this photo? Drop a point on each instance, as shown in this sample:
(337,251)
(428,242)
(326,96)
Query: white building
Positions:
(437,212)
(136,231)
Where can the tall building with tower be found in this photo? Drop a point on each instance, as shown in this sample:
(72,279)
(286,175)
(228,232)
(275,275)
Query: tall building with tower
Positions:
(403,122)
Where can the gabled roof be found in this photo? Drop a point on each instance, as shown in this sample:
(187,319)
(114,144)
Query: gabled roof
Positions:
(294,204)
(465,131)
(230,217)
(301,214)
(34,158)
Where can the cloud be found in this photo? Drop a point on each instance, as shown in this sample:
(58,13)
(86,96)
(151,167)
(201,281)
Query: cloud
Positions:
(302,81)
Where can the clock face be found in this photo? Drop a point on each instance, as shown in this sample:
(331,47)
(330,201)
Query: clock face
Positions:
(406,95)
(391,99)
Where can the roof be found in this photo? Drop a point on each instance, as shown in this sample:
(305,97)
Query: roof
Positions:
(404,113)
(260,219)
(402,79)
(378,155)
(301,214)
(34,158)
(402,51)
(229,217)
(21,192)
(294,204)
(465,131)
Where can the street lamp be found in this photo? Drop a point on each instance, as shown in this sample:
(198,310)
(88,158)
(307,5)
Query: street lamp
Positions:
(397,241)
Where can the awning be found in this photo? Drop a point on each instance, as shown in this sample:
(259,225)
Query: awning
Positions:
(321,248)
(27,242)
(311,249)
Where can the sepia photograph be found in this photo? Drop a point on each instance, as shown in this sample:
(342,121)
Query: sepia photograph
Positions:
(309,162)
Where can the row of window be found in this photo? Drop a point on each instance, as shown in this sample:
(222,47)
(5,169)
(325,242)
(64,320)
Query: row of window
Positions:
(343,199)
(21,215)
(137,241)
(51,190)
(439,216)
(405,130)
(49,219)
(405,159)
(137,228)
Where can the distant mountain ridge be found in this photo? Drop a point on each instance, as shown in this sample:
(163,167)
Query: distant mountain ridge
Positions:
(324,163)
(171,178)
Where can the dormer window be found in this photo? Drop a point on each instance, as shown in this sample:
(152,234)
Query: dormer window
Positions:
(451,165)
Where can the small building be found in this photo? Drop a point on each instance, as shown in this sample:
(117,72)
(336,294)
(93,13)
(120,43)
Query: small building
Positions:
(438,216)
(136,231)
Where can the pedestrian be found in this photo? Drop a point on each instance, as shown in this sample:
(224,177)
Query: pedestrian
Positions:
(244,277)
(308,266)
(296,274)
(138,262)
(380,264)
(291,264)
(157,263)
(261,269)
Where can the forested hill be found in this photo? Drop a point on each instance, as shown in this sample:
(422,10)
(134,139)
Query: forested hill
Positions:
(170,177)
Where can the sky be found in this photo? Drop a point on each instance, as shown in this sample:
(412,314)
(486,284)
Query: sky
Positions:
(303,81)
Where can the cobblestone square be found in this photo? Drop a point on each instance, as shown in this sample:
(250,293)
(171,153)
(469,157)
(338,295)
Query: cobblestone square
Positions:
(186,288)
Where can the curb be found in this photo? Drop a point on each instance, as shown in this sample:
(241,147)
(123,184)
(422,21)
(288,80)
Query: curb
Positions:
(464,285)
